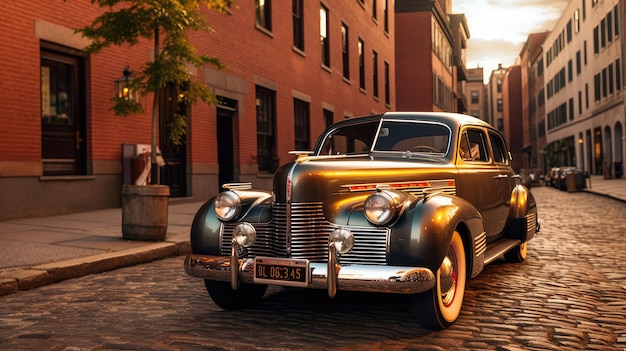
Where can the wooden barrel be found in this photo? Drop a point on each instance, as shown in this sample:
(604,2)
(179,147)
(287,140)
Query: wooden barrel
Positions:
(144,212)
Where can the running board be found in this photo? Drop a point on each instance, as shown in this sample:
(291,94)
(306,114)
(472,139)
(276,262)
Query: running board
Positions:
(497,249)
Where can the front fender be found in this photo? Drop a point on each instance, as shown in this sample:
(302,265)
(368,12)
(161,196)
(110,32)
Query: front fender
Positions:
(423,238)
(206,228)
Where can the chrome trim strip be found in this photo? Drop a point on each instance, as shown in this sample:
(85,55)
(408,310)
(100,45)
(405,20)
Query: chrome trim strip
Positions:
(367,278)
(480,244)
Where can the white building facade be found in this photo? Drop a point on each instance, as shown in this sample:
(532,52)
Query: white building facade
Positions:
(584,106)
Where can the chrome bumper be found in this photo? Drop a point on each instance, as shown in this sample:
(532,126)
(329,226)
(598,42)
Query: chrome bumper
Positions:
(368,278)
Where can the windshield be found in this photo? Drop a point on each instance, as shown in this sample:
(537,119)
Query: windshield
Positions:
(401,136)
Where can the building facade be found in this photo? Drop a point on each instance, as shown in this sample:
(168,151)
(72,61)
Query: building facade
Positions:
(512,122)
(424,53)
(476,93)
(584,88)
(533,101)
(292,69)
(495,98)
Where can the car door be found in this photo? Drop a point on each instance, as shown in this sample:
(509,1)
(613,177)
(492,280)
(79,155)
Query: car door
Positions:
(479,181)
(505,179)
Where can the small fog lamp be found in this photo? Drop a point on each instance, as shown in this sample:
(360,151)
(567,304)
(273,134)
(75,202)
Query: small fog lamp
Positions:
(244,234)
(227,205)
(343,240)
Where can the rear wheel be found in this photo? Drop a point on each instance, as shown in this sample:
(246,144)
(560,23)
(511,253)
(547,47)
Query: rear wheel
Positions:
(248,295)
(440,307)
(517,254)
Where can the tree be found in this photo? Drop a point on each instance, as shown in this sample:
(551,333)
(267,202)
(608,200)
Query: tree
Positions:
(168,23)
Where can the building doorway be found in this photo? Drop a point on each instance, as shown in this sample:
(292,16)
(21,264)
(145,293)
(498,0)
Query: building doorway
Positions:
(63,139)
(226,111)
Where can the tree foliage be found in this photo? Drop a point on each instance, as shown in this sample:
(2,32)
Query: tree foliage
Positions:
(167,23)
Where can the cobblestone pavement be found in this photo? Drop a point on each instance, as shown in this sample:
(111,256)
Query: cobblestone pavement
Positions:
(570,294)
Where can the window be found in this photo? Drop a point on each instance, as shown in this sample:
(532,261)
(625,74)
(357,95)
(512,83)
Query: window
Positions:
(387,92)
(500,153)
(603,33)
(604,83)
(569,31)
(473,146)
(571,109)
(324,32)
(329,118)
(375,9)
(609,27)
(596,87)
(576,21)
(62,112)
(264,13)
(578,63)
(616,22)
(580,102)
(375,72)
(266,130)
(298,24)
(386,16)
(596,40)
(361,49)
(302,126)
(345,50)
(610,76)
(499,105)
(618,75)
(499,85)
(570,69)
(474,97)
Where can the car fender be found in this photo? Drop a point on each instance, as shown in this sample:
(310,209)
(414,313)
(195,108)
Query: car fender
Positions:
(256,207)
(421,234)
(522,222)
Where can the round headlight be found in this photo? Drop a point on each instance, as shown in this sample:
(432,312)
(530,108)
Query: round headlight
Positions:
(227,205)
(244,234)
(343,239)
(379,208)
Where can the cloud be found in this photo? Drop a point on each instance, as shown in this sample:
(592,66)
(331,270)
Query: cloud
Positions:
(498,29)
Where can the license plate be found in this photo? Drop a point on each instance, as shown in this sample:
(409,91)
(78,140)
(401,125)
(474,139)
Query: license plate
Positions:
(281,271)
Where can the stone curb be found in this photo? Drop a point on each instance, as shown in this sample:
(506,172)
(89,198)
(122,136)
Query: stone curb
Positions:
(21,279)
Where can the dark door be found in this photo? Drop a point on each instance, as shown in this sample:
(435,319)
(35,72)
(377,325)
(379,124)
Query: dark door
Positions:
(225,154)
(62,135)
(174,173)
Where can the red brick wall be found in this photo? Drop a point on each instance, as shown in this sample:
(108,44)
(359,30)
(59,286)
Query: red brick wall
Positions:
(414,61)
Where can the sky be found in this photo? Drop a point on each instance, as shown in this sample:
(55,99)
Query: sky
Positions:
(499,28)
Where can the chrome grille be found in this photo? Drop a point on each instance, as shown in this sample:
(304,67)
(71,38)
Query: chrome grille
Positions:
(308,237)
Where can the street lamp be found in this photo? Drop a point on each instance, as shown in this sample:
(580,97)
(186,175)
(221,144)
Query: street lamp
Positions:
(123,85)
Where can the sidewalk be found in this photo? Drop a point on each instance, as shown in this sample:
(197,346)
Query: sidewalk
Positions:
(40,251)
(45,250)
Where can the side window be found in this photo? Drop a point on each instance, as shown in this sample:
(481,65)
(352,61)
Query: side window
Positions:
(473,146)
(500,153)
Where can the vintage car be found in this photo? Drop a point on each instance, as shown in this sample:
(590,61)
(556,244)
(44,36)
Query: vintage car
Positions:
(402,203)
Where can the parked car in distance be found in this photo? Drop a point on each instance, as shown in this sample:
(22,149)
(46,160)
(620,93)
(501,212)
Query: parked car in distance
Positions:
(403,203)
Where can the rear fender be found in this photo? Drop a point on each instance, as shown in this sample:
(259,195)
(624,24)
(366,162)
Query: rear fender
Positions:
(522,222)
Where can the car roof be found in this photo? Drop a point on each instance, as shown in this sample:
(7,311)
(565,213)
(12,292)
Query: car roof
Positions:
(453,120)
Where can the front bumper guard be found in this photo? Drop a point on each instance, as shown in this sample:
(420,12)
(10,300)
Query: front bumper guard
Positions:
(366,278)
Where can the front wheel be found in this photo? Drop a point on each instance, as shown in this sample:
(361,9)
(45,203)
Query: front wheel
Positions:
(248,295)
(440,307)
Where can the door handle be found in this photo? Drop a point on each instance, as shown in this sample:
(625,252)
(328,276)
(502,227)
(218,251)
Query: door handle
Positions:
(500,176)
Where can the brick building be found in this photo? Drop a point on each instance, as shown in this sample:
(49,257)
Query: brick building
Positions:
(291,70)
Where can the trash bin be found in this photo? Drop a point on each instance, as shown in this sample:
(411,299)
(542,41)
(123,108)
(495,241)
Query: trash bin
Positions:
(581,180)
(570,182)
(619,170)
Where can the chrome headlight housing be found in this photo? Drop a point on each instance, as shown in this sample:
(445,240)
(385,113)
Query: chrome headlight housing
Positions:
(227,205)
(380,208)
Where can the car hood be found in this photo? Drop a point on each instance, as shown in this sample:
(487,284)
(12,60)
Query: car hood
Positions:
(313,179)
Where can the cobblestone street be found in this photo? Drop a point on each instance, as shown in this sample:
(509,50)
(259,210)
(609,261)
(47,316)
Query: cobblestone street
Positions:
(570,294)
